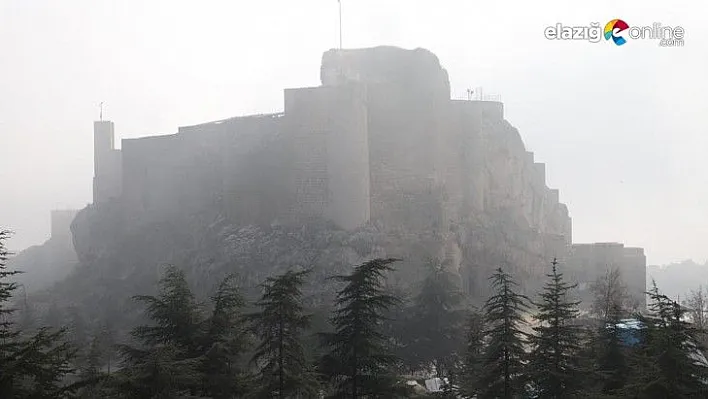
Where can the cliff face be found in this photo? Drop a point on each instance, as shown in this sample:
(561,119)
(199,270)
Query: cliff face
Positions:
(378,161)
(43,265)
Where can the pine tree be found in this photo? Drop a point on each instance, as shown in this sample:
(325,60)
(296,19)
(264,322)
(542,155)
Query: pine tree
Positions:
(504,356)
(283,370)
(224,343)
(77,334)
(175,314)
(554,366)
(472,362)
(30,366)
(433,334)
(167,363)
(360,359)
(106,346)
(668,358)
(95,372)
(91,374)
(9,342)
(161,371)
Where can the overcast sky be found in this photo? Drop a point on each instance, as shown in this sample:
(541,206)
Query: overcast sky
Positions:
(621,129)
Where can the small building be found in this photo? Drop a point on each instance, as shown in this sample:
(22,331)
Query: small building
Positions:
(589,262)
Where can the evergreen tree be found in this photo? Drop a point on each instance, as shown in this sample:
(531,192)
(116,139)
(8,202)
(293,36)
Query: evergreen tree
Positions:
(433,333)
(360,360)
(224,342)
(283,371)
(78,335)
(33,366)
(504,356)
(106,347)
(472,362)
(175,314)
(668,359)
(95,372)
(161,371)
(91,373)
(167,363)
(554,366)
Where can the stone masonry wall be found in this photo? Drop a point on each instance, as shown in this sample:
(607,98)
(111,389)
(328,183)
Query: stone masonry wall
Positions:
(330,170)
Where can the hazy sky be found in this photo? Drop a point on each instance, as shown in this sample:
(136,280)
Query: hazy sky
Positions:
(622,129)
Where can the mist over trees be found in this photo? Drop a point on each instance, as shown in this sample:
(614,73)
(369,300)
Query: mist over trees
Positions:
(376,344)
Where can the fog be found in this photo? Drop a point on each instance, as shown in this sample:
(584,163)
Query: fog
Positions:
(621,129)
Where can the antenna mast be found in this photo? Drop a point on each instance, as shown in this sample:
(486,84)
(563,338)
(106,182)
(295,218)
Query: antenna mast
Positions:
(100,112)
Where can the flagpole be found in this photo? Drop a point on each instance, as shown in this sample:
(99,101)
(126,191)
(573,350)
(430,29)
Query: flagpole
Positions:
(340,23)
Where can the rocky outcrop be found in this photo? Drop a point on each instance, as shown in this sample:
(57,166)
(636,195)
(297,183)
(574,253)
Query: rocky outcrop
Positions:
(43,265)
(417,69)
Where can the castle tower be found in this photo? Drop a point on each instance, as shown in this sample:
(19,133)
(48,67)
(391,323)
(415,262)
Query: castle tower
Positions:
(330,171)
(106,163)
(103,144)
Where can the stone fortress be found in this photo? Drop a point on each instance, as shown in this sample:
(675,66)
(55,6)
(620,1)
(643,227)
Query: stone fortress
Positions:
(379,142)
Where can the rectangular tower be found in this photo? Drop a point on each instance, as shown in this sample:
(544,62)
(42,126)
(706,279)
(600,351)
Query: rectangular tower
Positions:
(106,163)
(327,127)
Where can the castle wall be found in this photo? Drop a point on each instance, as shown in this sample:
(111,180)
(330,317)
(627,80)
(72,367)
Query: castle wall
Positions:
(468,147)
(327,129)
(151,166)
(404,136)
(255,173)
(226,165)
(407,92)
